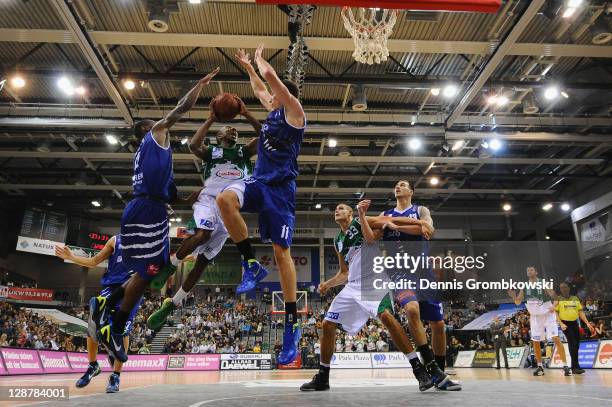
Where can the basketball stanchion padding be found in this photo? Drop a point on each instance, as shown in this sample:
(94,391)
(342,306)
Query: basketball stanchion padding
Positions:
(481,6)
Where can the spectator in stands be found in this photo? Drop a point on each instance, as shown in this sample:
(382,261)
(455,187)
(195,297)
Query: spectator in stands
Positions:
(381,345)
(4,340)
(600,329)
(144,350)
(453,350)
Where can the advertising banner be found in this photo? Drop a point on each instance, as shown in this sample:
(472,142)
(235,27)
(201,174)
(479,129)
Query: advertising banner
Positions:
(555,360)
(296,364)
(32,294)
(351,361)
(464,358)
(21,361)
(587,353)
(54,362)
(145,363)
(301,259)
(38,246)
(194,362)
(515,356)
(253,361)
(79,362)
(2,368)
(484,358)
(604,356)
(389,360)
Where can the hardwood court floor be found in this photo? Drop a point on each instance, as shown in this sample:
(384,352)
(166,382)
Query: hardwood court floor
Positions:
(354,387)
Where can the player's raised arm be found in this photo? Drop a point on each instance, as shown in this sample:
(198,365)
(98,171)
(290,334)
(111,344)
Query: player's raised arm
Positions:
(259,87)
(293,108)
(196,144)
(251,146)
(63,252)
(160,129)
(366,229)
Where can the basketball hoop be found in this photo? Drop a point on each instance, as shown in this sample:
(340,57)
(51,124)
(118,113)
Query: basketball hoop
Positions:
(278,303)
(370,31)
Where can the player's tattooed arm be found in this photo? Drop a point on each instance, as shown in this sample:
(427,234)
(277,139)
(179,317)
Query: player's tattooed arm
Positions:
(427,221)
(196,144)
(160,129)
(293,108)
(340,278)
(63,252)
(259,87)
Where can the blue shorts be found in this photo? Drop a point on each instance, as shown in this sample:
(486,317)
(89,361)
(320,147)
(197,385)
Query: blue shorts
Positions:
(429,310)
(107,291)
(275,205)
(145,241)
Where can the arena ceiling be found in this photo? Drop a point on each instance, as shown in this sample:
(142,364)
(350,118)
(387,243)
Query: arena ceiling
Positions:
(54,148)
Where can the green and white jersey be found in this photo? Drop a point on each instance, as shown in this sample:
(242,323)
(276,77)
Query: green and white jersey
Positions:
(349,243)
(536,300)
(224,166)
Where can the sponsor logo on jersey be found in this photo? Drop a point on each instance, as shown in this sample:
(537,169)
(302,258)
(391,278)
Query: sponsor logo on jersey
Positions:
(206,223)
(230,173)
(332,315)
(152,269)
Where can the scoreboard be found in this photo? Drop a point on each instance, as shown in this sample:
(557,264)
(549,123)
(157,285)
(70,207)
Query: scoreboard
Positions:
(43,224)
(96,241)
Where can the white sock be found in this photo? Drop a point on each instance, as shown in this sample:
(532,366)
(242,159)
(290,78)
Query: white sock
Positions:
(179,297)
(174,260)
(324,364)
(412,355)
(540,364)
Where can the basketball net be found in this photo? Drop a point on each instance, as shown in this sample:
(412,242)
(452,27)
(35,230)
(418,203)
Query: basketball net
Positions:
(370,31)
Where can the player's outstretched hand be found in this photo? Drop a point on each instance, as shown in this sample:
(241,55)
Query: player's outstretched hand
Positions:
(211,108)
(259,52)
(363,206)
(206,80)
(243,109)
(243,57)
(323,288)
(63,252)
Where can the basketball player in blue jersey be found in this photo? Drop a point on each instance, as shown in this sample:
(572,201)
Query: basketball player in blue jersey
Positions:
(144,225)
(416,309)
(116,274)
(270,192)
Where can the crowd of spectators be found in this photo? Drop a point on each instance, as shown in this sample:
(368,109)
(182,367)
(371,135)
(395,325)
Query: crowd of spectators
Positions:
(218,323)
(22,328)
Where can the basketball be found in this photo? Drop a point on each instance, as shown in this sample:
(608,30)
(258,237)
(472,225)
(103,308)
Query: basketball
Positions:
(226,107)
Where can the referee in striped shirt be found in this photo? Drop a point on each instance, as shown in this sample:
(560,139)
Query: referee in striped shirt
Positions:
(569,310)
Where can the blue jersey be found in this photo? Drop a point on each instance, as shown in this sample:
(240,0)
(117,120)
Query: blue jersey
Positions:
(396,236)
(117,272)
(153,174)
(278,149)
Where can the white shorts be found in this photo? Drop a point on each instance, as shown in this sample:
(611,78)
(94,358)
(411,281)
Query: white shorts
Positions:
(206,216)
(543,326)
(350,311)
